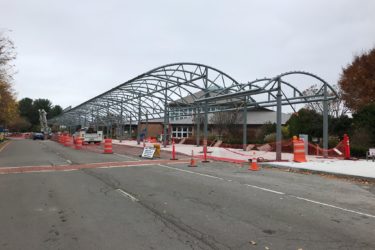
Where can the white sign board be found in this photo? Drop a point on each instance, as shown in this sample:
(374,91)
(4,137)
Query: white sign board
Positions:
(148,152)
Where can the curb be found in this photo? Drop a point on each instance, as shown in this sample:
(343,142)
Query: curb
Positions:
(305,170)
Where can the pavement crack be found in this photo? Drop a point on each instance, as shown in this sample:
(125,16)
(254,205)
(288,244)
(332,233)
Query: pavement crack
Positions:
(60,155)
(176,225)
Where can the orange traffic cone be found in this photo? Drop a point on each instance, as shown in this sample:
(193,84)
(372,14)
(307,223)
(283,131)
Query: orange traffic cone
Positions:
(193,162)
(253,166)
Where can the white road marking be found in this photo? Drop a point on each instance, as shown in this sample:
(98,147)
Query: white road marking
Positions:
(274,191)
(191,172)
(135,165)
(123,193)
(265,189)
(333,206)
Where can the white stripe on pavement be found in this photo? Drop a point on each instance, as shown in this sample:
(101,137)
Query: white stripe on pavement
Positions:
(265,189)
(191,172)
(275,192)
(123,193)
(332,206)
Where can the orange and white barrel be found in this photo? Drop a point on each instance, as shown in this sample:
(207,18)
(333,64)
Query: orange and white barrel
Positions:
(108,146)
(299,150)
(66,140)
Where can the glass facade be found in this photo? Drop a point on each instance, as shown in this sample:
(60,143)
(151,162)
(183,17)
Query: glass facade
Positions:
(182,131)
(184,113)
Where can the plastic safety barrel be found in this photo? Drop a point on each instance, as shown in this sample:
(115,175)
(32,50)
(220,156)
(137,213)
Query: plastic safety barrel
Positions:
(108,146)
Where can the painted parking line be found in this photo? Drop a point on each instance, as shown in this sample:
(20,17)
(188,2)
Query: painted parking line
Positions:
(275,192)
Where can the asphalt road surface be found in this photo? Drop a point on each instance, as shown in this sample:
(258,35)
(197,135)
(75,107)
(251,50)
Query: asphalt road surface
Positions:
(171,206)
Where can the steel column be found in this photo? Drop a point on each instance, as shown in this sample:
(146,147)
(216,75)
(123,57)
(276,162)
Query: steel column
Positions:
(165,130)
(130,127)
(121,120)
(325,122)
(205,125)
(139,122)
(244,132)
(97,120)
(146,132)
(198,123)
(278,121)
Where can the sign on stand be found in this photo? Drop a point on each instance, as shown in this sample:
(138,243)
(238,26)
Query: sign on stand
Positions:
(148,152)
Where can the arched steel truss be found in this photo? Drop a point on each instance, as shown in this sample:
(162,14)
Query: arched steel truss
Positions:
(278,92)
(156,93)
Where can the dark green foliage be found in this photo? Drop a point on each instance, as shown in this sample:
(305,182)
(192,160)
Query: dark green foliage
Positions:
(28,109)
(268,128)
(55,111)
(340,126)
(364,122)
(25,107)
(333,141)
(358,151)
(39,104)
(306,121)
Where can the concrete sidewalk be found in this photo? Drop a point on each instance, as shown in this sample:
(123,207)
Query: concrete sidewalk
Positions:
(358,168)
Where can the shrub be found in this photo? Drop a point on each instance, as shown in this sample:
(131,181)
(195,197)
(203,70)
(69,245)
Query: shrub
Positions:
(358,151)
(270,138)
(232,140)
(333,141)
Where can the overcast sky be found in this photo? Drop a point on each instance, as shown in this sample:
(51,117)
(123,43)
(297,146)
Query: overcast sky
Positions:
(71,50)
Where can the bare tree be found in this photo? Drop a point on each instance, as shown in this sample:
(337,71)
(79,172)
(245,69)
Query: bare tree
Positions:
(225,121)
(336,108)
(7,55)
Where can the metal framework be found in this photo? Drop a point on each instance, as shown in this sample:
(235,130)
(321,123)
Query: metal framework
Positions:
(154,94)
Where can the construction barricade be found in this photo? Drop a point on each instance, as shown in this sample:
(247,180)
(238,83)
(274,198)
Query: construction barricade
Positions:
(66,140)
(173,151)
(346,147)
(299,150)
(193,162)
(253,163)
(108,146)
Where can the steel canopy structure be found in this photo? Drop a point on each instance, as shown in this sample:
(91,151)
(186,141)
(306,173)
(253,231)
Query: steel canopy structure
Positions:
(153,94)
(277,92)
(147,96)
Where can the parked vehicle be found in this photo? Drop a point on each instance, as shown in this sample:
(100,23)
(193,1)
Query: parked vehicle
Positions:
(38,136)
(88,135)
